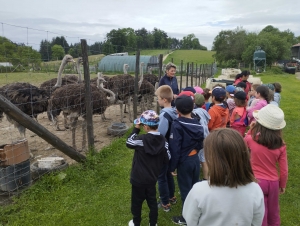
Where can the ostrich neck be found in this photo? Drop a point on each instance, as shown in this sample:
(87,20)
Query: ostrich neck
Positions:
(124,70)
(142,76)
(61,68)
(112,96)
(79,72)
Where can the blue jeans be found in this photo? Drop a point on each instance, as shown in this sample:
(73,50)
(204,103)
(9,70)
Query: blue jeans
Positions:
(166,185)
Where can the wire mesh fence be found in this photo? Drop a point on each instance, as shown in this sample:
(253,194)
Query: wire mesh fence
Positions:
(53,95)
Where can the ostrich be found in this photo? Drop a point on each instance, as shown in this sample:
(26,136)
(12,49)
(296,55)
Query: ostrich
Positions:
(153,79)
(74,77)
(50,85)
(71,100)
(146,90)
(28,98)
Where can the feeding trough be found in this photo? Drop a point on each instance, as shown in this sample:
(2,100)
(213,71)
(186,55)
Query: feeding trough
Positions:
(47,165)
(117,129)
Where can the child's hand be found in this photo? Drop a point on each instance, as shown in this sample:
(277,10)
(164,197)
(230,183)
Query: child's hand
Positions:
(281,190)
(137,126)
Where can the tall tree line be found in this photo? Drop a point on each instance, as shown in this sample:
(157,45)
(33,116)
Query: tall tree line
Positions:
(239,45)
(119,40)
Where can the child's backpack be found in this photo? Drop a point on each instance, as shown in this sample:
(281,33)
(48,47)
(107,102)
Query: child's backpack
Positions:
(243,121)
(170,120)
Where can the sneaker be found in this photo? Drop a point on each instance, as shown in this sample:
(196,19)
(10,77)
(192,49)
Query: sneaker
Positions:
(131,223)
(179,220)
(173,200)
(165,208)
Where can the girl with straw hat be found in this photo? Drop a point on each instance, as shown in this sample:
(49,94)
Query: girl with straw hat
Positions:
(267,149)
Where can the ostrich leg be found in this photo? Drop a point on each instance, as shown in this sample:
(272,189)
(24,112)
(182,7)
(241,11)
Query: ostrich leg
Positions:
(84,125)
(121,109)
(129,109)
(73,129)
(66,120)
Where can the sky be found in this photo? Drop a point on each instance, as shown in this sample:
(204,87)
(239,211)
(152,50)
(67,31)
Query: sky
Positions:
(30,21)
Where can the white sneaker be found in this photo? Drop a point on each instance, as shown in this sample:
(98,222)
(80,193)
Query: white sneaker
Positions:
(131,223)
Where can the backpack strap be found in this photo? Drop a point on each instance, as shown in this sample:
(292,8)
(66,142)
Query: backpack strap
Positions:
(170,120)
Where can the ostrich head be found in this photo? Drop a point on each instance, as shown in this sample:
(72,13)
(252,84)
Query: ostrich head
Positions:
(100,81)
(150,70)
(67,58)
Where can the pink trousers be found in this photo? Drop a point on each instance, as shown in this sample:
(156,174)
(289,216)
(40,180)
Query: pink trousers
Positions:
(271,198)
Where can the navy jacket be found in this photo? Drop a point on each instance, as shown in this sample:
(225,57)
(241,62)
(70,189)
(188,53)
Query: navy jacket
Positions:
(186,135)
(151,153)
(172,82)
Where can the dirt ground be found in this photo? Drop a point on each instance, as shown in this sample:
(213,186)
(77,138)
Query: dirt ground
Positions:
(40,148)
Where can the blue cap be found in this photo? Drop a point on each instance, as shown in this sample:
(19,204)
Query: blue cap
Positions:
(149,118)
(218,92)
(230,89)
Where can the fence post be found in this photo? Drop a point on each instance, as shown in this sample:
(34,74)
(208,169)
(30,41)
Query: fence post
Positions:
(88,102)
(187,74)
(136,78)
(192,74)
(181,65)
(160,72)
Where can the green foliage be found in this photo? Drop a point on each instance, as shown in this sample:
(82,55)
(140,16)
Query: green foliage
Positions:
(191,42)
(57,52)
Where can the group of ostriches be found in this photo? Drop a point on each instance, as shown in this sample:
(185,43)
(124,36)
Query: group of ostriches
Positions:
(66,95)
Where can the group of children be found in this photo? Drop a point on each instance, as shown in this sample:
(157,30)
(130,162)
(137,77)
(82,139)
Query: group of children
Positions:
(173,146)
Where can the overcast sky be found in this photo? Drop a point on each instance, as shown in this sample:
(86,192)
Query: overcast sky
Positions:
(93,19)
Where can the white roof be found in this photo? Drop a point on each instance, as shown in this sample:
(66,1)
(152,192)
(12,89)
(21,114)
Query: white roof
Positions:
(6,64)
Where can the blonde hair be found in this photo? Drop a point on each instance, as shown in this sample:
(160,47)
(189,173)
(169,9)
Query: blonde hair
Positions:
(165,92)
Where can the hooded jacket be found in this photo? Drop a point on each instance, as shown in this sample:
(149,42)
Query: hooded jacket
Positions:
(163,121)
(151,153)
(219,116)
(172,82)
(186,135)
(204,119)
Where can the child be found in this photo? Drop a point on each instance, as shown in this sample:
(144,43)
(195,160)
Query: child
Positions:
(238,119)
(251,94)
(231,196)
(185,142)
(198,90)
(166,185)
(243,77)
(262,94)
(206,94)
(268,152)
(204,119)
(277,96)
(230,90)
(151,153)
(219,113)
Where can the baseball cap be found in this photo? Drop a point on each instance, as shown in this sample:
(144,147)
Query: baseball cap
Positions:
(241,95)
(149,118)
(198,89)
(230,89)
(219,92)
(188,93)
(189,88)
(199,99)
(184,104)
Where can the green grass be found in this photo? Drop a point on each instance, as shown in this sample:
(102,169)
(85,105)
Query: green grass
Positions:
(151,52)
(196,56)
(98,192)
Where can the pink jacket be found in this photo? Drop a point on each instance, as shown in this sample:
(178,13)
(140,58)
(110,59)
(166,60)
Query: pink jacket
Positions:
(259,105)
(264,160)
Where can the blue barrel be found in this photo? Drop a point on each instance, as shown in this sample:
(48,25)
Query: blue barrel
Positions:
(15,177)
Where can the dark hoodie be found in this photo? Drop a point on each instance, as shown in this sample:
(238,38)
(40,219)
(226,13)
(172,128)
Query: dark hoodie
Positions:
(186,134)
(151,153)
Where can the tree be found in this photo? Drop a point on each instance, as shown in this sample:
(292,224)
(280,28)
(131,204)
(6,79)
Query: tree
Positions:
(118,39)
(160,38)
(45,50)
(58,52)
(62,42)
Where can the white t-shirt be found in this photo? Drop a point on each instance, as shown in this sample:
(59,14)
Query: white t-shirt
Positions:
(219,206)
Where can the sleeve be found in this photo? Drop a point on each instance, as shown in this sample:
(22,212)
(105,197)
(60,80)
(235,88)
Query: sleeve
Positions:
(134,140)
(277,97)
(177,89)
(163,125)
(191,211)
(257,106)
(167,155)
(283,168)
(258,209)
(175,146)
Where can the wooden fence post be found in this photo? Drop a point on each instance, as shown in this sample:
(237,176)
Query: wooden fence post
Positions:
(136,78)
(160,72)
(192,74)
(187,74)
(181,65)
(88,99)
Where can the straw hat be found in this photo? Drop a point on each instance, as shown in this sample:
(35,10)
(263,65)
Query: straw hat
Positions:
(271,117)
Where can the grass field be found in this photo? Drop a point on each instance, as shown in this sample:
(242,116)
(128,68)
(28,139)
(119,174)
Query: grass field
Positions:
(189,56)
(151,52)
(98,192)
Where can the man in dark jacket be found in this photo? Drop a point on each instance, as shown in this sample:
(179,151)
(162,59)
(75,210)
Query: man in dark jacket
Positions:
(186,140)
(151,153)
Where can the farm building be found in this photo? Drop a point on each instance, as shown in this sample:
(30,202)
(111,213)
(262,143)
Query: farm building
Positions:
(116,63)
(296,51)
